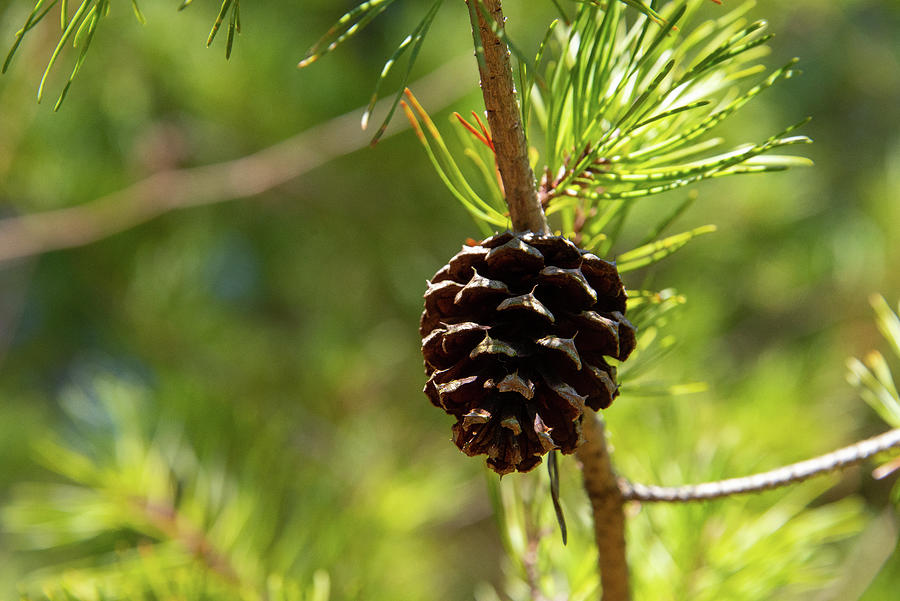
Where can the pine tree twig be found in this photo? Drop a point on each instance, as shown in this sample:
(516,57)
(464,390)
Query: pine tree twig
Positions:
(169,190)
(608,505)
(504,118)
(168,520)
(532,574)
(526,213)
(783,476)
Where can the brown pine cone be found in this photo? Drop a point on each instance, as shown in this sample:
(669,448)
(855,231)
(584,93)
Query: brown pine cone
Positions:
(514,334)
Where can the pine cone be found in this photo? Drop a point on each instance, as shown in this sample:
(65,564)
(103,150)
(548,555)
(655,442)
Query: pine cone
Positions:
(514,334)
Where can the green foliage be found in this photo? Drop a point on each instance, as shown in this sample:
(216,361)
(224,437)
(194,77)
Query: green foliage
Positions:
(625,112)
(293,314)
(717,550)
(148,516)
(743,549)
(413,42)
(351,23)
(636,4)
(652,313)
(81,26)
(356,19)
(232,10)
(489,213)
(872,376)
(658,249)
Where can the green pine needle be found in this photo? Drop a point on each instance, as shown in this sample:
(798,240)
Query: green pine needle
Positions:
(412,42)
(346,27)
(659,97)
(137,12)
(872,376)
(562,13)
(67,33)
(486,216)
(234,24)
(79,28)
(658,250)
(143,512)
(219,18)
(82,41)
(627,110)
(636,4)
(33,19)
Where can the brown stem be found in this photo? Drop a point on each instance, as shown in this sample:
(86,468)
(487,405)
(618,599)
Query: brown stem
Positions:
(608,505)
(172,524)
(783,476)
(503,115)
(532,574)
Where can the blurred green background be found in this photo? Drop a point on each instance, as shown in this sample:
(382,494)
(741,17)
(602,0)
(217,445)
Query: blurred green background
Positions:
(279,331)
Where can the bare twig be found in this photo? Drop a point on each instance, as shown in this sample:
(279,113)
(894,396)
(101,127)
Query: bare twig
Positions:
(782,476)
(608,505)
(505,121)
(532,574)
(165,191)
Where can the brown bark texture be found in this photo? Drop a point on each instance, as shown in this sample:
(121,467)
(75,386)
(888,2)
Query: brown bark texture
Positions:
(608,505)
(505,121)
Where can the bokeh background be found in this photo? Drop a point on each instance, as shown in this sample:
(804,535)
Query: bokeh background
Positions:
(279,330)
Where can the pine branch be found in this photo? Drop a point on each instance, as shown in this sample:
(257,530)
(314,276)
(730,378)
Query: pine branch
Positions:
(177,527)
(505,120)
(165,191)
(532,573)
(783,476)
(525,209)
(608,504)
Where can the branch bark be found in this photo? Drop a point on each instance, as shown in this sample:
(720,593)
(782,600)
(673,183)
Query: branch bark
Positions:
(526,213)
(783,476)
(608,505)
(505,120)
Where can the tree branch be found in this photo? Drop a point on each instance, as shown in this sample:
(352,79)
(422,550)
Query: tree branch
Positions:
(504,118)
(168,190)
(783,476)
(608,505)
(526,213)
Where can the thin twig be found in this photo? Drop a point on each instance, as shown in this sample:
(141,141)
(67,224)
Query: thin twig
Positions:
(510,146)
(165,191)
(608,505)
(532,573)
(174,525)
(783,476)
